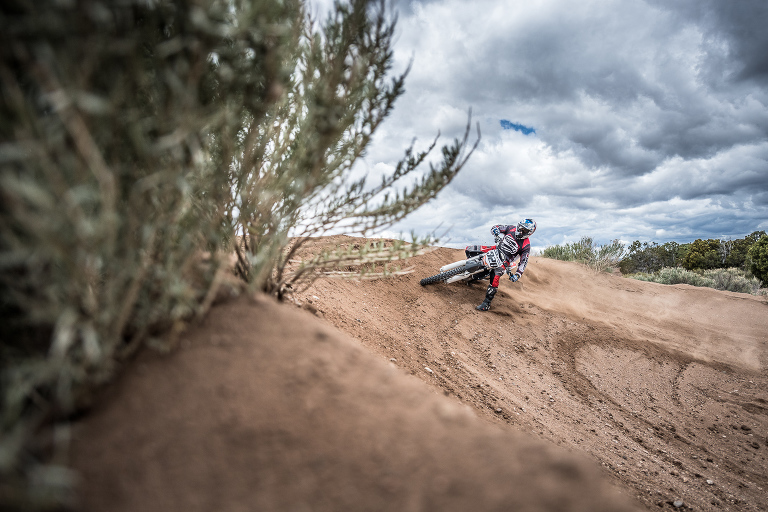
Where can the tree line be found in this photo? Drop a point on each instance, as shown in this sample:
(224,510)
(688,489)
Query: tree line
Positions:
(749,254)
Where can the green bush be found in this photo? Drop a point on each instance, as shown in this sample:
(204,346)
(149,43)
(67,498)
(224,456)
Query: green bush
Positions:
(721,253)
(650,257)
(702,254)
(733,253)
(758,256)
(675,275)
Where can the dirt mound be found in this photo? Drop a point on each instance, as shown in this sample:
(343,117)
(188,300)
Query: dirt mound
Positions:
(267,408)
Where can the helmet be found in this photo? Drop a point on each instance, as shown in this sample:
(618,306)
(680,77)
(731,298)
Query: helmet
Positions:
(525,228)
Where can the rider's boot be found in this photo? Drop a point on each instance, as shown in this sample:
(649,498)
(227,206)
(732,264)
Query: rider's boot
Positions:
(489,293)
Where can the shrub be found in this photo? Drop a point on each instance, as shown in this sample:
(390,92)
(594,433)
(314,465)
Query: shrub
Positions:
(650,257)
(142,143)
(607,256)
(109,225)
(675,275)
(580,251)
(597,257)
(733,253)
(758,255)
(290,176)
(703,254)
(731,279)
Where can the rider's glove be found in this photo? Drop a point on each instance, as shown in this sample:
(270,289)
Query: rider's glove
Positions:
(496,235)
(514,277)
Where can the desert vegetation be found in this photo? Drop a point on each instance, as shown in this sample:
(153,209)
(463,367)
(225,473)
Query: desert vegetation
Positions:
(733,265)
(143,146)
(730,279)
(588,252)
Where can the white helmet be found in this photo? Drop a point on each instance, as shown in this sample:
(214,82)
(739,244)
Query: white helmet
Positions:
(525,228)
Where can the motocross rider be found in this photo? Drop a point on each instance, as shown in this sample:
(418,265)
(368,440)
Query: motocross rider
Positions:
(511,242)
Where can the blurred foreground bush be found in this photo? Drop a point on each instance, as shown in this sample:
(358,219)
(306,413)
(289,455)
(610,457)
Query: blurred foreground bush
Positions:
(143,145)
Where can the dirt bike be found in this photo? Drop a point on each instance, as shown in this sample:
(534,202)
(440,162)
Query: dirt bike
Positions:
(482,259)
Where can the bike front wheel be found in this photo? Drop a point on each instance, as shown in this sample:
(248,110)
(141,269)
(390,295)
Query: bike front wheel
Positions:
(441,277)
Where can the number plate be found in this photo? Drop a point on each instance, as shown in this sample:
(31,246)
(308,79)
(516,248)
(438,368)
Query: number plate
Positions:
(492,260)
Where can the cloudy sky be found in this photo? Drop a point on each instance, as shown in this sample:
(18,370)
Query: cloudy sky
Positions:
(630,119)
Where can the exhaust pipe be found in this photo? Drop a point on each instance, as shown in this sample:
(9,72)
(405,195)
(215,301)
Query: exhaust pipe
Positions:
(452,266)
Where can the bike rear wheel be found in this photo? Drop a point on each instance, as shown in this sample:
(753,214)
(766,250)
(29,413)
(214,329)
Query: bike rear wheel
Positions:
(442,276)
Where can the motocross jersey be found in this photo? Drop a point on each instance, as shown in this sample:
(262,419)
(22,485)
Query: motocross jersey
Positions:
(510,247)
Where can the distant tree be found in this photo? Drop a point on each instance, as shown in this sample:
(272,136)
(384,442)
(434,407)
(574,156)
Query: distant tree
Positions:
(726,247)
(737,255)
(650,257)
(754,236)
(733,253)
(703,254)
(758,255)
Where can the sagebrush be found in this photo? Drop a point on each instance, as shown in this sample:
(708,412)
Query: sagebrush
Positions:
(587,252)
(730,279)
(142,145)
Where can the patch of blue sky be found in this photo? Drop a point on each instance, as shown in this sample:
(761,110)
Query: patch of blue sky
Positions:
(509,125)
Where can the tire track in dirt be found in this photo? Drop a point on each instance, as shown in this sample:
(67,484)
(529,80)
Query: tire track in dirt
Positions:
(624,371)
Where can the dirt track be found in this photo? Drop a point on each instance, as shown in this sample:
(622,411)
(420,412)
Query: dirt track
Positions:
(666,387)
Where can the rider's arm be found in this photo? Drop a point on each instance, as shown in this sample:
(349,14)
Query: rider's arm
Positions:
(523,260)
(503,228)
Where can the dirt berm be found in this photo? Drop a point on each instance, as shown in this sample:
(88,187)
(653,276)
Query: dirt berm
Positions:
(383,395)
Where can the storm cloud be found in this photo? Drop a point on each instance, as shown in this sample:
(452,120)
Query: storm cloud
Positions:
(650,117)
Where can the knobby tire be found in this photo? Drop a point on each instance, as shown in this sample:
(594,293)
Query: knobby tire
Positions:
(442,276)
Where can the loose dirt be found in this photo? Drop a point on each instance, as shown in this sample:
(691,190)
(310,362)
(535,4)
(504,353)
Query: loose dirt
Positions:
(575,384)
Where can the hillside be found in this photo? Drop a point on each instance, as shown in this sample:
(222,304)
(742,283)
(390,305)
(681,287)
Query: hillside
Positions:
(266,407)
